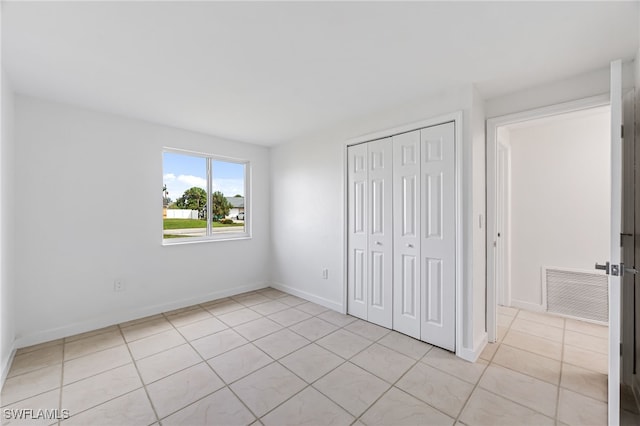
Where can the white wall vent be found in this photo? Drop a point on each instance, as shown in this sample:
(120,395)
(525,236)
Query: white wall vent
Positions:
(577,294)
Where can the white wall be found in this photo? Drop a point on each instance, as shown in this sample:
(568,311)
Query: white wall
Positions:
(7,270)
(109,169)
(559,210)
(636,68)
(311,236)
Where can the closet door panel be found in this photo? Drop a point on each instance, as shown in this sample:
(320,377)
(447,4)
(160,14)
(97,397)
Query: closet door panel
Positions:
(357,229)
(380,238)
(406,212)
(433,192)
(437,243)
(433,292)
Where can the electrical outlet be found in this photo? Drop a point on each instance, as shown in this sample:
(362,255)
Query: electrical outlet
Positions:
(325,274)
(118,285)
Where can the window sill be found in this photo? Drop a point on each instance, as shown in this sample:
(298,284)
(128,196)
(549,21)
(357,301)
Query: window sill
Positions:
(196,240)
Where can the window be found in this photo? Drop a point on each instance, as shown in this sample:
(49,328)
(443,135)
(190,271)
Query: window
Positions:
(203,197)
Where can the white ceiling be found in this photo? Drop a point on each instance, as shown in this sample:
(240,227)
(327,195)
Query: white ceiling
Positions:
(273,72)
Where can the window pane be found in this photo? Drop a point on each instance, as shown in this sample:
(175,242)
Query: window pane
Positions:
(228,197)
(184,195)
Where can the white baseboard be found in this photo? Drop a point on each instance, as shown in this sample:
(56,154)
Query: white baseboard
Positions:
(472,355)
(7,365)
(120,317)
(308,296)
(528,306)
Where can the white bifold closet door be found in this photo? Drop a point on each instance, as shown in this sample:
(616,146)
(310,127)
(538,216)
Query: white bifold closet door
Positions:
(406,232)
(438,240)
(401,233)
(370,263)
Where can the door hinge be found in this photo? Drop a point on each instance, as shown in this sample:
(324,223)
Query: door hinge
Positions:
(620,349)
(622,131)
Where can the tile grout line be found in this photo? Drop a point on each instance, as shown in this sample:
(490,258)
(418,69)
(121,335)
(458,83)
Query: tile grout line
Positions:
(500,343)
(524,373)
(62,367)
(96,374)
(558,386)
(107,401)
(310,385)
(517,403)
(64,344)
(257,418)
(34,348)
(45,391)
(344,360)
(99,372)
(489,363)
(188,341)
(307,385)
(520,372)
(564,331)
(165,317)
(393,386)
(144,385)
(225,384)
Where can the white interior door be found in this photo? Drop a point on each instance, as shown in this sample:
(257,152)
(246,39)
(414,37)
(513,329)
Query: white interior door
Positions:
(438,235)
(357,228)
(370,233)
(615,280)
(406,249)
(628,230)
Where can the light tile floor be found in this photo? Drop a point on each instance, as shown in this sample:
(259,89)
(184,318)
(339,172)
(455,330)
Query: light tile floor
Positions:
(266,357)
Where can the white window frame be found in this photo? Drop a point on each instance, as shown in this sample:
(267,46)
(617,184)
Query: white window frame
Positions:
(212,236)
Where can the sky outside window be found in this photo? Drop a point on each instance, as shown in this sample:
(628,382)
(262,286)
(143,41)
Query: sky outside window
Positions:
(181,172)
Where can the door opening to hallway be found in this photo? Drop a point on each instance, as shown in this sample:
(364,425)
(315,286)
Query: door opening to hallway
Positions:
(566,291)
(553,218)
(552,222)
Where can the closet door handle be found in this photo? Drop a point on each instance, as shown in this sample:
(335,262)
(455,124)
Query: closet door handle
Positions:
(378,243)
(410,245)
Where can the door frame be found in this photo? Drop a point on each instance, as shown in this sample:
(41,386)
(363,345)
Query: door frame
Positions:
(503,288)
(491,180)
(456,118)
(628,227)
